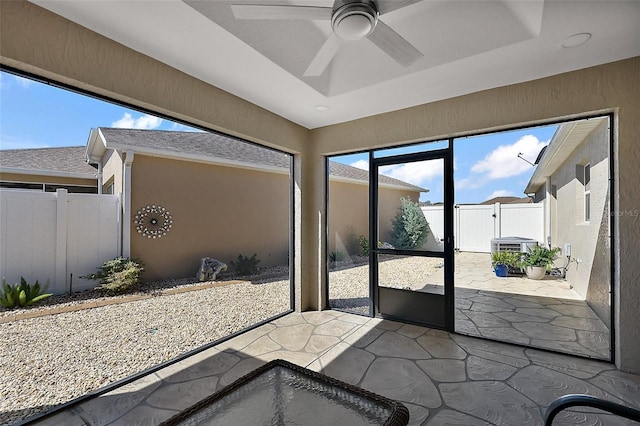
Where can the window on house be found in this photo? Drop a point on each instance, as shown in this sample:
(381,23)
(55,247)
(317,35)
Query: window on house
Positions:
(587,192)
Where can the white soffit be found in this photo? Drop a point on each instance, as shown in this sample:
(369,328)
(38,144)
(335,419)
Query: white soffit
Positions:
(468,46)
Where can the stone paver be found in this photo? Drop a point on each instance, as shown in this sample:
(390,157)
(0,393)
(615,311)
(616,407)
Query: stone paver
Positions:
(545,313)
(442,378)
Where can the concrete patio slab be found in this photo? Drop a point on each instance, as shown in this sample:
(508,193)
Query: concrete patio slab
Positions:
(454,379)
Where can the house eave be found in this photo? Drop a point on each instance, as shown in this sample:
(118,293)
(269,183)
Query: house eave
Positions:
(381,184)
(49,173)
(566,139)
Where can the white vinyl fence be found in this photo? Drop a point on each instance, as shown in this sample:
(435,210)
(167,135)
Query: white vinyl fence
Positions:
(57,237)
(475,225)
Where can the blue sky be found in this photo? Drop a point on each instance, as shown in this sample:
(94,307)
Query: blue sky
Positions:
(35,115)
(485,166)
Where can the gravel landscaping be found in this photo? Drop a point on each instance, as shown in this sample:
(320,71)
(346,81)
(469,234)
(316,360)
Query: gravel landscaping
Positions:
(52,359)
(349,282)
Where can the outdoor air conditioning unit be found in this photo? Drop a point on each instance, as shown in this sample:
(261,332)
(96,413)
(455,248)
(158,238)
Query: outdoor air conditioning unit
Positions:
(517,244)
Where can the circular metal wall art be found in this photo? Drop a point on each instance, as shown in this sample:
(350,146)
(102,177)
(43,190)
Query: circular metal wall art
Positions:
(153,221)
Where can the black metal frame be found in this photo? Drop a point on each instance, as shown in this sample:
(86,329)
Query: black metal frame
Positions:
(612,237)
(397,298)
(578,400)
(612,219)
(108,388)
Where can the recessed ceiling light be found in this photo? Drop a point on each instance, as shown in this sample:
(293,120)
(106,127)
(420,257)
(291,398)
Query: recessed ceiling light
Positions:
(321,108)
(575,40)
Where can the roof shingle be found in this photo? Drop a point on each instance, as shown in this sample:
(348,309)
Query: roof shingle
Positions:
(214,145)
(66,160)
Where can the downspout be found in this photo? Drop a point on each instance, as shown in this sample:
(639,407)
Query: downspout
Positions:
(100,177)
(126,204)
(547,211)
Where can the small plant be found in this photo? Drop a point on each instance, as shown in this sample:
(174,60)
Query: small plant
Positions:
(336,256)
(410,227)
(507,258)
(118,275)
(540,256)
(364,244)
(246,265)
(23,294)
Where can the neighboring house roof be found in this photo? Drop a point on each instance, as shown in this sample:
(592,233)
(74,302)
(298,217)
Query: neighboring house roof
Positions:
(565,140)
(65,162)
(349,173)
(214,148)
(508,200)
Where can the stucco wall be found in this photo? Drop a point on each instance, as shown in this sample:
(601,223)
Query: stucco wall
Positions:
(218,212)
(612,87)
(589,240)
(34,40)
(112,170)
(349,213)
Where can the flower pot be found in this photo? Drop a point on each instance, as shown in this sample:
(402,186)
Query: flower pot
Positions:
(536,272)
(501,270)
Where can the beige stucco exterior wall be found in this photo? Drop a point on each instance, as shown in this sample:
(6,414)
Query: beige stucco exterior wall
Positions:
(112,170)
(34,40)
(217,212)
(589,240)
(349,213)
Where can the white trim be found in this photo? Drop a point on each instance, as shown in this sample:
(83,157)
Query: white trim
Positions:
(49,173)
(126,204)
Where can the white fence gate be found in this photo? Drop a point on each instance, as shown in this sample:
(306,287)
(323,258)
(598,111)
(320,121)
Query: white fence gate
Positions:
(57,237)
(476,224)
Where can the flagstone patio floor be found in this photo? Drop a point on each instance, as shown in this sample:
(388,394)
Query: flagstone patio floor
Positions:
(442,378)
(544,313)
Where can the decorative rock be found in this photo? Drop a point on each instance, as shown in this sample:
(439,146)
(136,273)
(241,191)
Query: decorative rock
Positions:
(209,269)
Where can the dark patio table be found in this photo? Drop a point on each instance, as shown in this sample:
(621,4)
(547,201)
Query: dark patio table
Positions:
(282,393)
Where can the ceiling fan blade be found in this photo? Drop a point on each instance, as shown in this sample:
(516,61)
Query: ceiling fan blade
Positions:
(259,11)
(386,6)
(394,45)
(324,56)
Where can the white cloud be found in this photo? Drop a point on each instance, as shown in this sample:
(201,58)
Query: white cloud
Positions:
(361,164)
(417,173)
(500,193)
(143,122)
(24,82)
(182,128)
(503,162)
(471,182)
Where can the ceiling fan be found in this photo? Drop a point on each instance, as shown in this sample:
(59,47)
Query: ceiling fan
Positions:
(350,20)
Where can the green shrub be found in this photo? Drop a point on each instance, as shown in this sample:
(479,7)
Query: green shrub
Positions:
(246,265)
(118,275)
(336,256)
(540,256)
(23,294)
(409,226)
(364,245)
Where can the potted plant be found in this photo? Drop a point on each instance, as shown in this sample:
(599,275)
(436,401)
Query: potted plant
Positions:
(503,261)
(537,260)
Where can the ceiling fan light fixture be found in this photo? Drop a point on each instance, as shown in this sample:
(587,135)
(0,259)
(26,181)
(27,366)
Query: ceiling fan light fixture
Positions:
(575,40)
(354,21)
